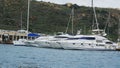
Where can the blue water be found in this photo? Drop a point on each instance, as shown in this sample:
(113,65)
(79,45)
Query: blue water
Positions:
(32,57)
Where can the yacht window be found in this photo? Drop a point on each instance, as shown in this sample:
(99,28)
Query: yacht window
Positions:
(88,38)
(81,43)
(108,42)
(61,37)
(73,43)
(58,42)
(99,41)
(100,45)
(72,38)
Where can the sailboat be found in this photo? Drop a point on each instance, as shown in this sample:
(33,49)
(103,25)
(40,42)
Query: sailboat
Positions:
(95,29)
(25,42)
(95,41)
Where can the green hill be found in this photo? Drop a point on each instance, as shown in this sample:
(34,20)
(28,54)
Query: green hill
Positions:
(46,17)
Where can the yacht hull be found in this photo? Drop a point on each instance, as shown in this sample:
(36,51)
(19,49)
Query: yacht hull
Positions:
(86,46)
(43,44)
(55,44)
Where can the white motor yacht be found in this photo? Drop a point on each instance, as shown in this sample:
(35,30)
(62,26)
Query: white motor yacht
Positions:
(88,42)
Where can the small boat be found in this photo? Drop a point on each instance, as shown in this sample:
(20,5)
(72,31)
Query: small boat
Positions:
(20,42)
(27,42)
(29,35)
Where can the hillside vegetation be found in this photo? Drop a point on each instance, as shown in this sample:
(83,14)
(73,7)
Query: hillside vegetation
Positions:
(46,17)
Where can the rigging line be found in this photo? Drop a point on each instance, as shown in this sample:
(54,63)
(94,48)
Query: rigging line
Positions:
(108,21)
(96,18)
(68,24)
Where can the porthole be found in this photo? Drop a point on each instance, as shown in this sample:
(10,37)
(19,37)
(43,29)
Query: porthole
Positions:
(73,43)
(81,43)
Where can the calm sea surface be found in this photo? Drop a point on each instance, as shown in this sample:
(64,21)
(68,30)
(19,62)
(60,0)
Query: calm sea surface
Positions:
(32,57)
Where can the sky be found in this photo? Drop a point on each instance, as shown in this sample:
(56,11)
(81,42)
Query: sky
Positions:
(97,3)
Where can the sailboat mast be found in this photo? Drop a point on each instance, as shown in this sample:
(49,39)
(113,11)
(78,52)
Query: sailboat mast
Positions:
(72,18)
(28,17)
(119,30)
(21,20)
(96,21)
(95,15)
(92,15)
